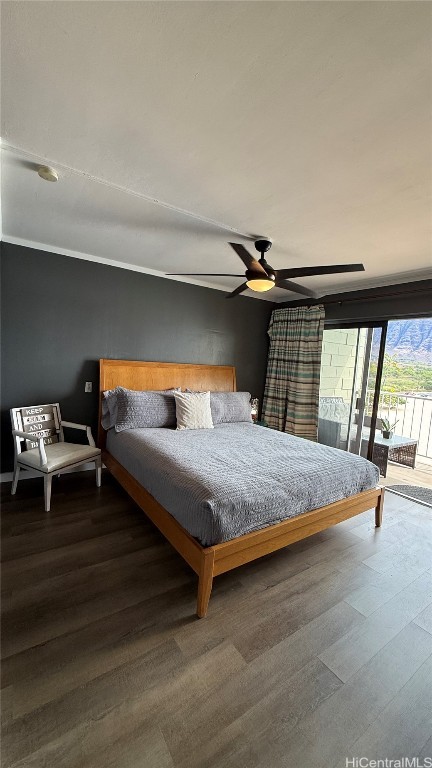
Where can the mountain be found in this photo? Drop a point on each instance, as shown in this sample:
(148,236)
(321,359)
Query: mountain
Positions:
(410,341)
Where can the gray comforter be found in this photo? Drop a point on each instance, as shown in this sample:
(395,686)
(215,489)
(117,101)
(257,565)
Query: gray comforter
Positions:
(224,482)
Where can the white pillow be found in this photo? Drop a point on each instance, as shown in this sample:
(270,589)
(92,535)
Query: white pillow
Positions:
(193,410)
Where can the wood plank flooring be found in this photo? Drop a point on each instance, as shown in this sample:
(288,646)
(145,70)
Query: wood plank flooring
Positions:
(399,475)
(316,653)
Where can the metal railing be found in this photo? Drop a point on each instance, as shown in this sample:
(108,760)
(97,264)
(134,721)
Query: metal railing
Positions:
(412,413)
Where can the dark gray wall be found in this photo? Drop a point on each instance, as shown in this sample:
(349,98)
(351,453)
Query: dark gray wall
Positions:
(60,315)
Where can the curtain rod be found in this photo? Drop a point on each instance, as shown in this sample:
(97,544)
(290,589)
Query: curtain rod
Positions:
(374,296)
(330,300)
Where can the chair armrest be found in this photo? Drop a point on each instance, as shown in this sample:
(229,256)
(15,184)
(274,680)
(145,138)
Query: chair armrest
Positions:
(83,428)
(33,439)
(72,424)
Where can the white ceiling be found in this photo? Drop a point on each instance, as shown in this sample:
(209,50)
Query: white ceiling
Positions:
(309,122)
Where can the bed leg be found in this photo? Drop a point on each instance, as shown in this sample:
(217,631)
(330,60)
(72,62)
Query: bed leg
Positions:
(205,583)
(379,509)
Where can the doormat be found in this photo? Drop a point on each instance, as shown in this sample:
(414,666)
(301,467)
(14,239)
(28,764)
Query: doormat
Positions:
(413,492)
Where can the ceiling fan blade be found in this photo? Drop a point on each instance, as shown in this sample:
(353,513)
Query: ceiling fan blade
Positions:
(201,274)
(295,288)
(331,269)
(247,259)
(237,290)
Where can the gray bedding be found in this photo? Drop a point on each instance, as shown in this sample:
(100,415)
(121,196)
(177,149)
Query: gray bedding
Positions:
(224,482)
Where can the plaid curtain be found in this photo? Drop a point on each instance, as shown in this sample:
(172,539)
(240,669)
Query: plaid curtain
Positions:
(291,396)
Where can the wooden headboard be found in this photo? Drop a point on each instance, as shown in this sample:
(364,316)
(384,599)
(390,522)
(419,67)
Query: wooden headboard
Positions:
(135,374)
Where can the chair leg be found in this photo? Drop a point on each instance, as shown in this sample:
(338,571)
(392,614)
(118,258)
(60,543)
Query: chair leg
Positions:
(15,479)
(98,465)
(47,491)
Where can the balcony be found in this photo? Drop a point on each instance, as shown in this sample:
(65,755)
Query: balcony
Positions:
(413,414)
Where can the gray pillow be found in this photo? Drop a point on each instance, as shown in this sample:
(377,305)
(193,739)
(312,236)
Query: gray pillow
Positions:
(137,410)
(230,407)
(109,408)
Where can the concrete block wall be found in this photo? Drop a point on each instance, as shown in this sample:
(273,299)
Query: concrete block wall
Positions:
(338,361)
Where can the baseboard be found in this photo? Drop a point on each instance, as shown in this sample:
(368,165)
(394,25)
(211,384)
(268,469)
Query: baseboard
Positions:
(28,474)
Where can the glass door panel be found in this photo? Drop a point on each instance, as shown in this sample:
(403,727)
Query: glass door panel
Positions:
(349,373)
(366,387)
(337,386)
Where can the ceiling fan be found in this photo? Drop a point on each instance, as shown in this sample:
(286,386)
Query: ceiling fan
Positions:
(260,276)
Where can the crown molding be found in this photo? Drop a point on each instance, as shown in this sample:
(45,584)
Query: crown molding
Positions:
(121,265)
(397,279)
(108,262)
(381,282)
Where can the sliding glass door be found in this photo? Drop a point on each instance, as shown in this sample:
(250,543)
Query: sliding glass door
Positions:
(351,367)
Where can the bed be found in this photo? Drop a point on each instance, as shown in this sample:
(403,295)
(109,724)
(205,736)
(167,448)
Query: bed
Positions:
(192,483)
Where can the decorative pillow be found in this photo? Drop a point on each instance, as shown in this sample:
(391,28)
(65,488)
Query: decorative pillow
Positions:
(109,408)
(230,407)
(193,410)
(137,410)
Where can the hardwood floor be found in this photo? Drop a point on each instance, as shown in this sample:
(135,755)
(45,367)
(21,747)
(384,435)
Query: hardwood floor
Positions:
(421,475)
(316,653)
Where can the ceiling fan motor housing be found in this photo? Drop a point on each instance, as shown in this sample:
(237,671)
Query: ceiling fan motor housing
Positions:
(270,271)
(250,275)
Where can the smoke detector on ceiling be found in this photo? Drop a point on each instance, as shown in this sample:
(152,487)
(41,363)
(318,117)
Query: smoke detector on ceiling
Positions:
(47,173)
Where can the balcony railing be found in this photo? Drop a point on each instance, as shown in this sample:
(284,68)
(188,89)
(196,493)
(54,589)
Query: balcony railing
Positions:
(413,414)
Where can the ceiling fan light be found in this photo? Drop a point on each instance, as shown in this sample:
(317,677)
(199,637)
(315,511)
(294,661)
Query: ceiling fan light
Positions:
(260,285)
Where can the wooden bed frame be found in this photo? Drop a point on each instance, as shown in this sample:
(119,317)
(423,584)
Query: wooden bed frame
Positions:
(209,562)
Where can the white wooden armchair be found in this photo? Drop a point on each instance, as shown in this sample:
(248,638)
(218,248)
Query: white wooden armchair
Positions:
(39,430)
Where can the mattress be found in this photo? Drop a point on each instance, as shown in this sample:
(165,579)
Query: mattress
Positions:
(224,482)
